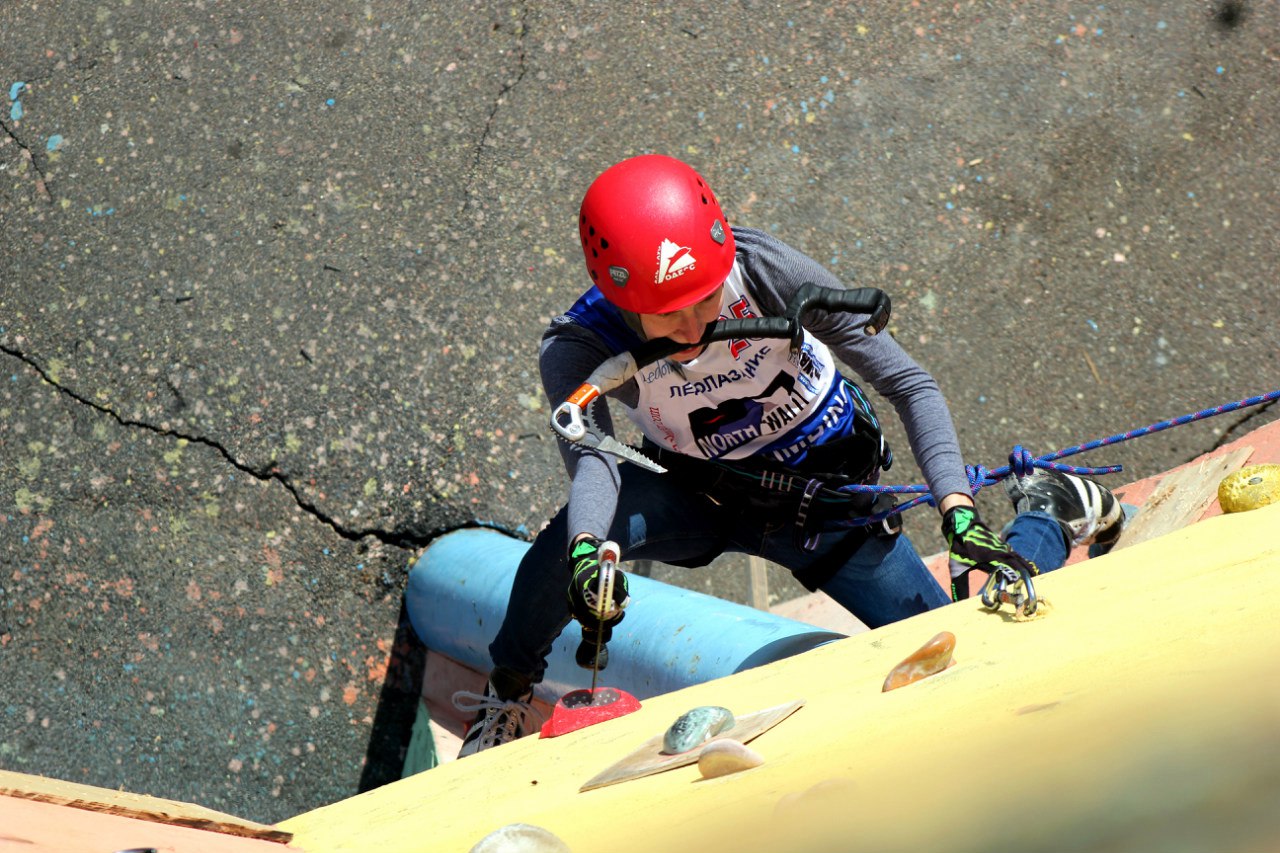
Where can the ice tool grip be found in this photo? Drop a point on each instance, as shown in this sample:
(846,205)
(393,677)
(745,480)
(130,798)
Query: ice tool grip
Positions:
(608,554)
(860,300)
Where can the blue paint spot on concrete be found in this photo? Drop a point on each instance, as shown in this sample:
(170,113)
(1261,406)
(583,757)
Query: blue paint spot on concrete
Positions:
(15,109)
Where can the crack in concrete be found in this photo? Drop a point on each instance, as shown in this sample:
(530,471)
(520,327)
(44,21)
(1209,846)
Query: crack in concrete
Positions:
(42,179)
(406,537)
(521,69)
(1229,434)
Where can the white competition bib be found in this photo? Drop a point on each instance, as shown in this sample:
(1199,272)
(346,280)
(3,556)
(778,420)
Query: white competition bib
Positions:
(741,397)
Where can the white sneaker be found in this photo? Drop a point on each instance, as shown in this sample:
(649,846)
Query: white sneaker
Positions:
(497,721)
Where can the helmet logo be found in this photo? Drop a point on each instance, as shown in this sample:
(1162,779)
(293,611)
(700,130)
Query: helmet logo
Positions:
(673,261)
(717,232)
(619,275)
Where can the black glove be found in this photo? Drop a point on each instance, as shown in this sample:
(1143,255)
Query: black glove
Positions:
(593,651)
(584,593)
(974,546)
(584,603)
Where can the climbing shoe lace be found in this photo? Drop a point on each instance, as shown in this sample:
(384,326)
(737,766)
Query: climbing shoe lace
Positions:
(498,720)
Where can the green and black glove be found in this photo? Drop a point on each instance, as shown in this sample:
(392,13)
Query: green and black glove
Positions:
(975,546)
(597,609)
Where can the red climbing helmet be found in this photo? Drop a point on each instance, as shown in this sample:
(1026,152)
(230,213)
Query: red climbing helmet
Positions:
(654,236)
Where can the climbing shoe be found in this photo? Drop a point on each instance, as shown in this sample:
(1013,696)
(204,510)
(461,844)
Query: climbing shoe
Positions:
(1089,513)
(503,712)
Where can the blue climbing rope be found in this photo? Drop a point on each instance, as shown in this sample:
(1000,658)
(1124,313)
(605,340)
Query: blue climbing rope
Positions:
(1022,462)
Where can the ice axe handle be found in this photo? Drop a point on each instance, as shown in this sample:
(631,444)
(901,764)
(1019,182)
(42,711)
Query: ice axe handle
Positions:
(608,554)
(871,301)
(859,300)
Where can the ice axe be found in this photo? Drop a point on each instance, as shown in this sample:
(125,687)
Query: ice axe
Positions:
(580,708)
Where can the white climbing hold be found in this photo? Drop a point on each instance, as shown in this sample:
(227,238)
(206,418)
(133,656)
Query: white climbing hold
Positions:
(520,838)
(724,756)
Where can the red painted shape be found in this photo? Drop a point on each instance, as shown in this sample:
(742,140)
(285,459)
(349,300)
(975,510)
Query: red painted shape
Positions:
(578,709)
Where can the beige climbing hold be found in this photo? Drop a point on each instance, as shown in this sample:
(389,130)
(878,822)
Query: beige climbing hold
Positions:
(1249,488)
(725,756)
(817,802)
(931,658)
(520,838)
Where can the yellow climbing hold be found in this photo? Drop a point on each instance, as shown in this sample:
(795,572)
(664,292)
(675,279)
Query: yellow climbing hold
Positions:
(1249,488)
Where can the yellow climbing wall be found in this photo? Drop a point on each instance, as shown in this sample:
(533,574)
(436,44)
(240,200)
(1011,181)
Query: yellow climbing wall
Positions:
(1143,710)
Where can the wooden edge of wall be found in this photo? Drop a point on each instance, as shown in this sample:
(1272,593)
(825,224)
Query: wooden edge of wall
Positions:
(137,806)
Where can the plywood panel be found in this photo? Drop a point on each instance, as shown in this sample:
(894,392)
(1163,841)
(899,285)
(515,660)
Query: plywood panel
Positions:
(32,826)
(125,804)
(1182,497)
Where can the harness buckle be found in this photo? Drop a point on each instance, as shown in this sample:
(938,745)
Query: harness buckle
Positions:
(770,479)
(807,541)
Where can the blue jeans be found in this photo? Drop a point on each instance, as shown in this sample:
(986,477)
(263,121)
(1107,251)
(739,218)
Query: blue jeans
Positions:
(878,578)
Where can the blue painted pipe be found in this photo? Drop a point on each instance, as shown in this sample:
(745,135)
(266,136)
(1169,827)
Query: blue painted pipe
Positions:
(671,638)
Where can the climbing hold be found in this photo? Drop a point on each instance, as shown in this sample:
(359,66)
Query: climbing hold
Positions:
(580,708)
(816,802)
(694,727)
(724,756)
(520,838)
(1249,488)
(931,658)
(1043,607)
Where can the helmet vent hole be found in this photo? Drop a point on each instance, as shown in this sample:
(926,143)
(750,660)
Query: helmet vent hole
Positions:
(594,276)
(591,231)
(604,244)
(594,253)
(704,199)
